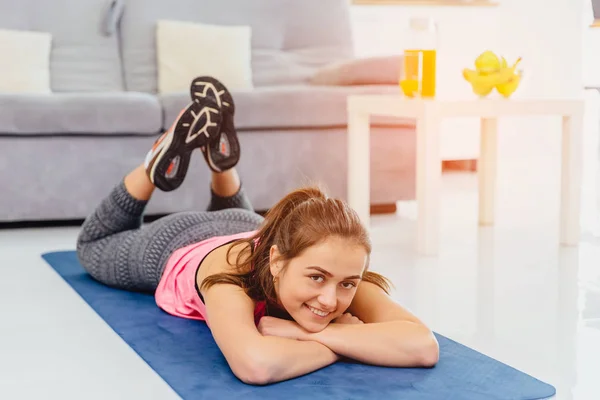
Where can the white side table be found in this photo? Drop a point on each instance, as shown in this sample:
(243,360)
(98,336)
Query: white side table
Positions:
(428,115)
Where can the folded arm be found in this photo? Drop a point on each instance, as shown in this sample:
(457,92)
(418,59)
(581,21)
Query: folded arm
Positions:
(282,358)
(391,344)
(390,335)
(252,357)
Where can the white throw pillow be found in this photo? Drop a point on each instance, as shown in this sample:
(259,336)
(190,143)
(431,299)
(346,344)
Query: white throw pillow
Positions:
(25,65)
(186,50)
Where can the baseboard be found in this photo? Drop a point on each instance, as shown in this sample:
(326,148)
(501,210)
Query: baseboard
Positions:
(59,223)
(374,209)
(459,165)
(40,224)
(383,208)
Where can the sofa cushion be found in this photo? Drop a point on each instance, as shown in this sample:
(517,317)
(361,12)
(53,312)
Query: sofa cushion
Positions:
(83,57)
(138,29)
(80,113)
(282,107)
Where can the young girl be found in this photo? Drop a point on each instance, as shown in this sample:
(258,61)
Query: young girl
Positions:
(283,295)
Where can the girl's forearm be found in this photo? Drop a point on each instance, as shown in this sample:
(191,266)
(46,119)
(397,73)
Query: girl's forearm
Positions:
(283,358)
(393,344)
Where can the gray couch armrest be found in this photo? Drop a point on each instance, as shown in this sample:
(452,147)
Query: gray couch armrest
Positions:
(360,71)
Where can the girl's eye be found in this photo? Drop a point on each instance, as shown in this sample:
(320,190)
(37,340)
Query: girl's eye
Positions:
(317,278)
(348,285)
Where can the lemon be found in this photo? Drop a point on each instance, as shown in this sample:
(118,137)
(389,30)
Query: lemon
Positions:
(510,80)
(487,63)
(482,91)
(507,88)
(481,84)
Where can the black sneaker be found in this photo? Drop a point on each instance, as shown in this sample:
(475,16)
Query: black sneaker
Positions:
(223,151)
(168,160)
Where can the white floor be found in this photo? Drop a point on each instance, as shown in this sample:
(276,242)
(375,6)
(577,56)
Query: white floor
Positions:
(508,291)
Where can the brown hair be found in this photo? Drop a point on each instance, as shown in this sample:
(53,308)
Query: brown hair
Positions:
(301,219)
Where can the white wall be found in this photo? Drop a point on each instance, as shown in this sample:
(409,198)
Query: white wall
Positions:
(546,33)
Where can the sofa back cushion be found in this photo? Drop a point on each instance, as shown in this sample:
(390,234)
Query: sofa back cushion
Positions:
(290,38)
(317,32)
(84,56)
(138,29)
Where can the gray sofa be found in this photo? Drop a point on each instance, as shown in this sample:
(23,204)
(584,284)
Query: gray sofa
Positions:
(60,153)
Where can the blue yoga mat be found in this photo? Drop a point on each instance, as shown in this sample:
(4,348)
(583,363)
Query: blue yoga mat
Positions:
(185,355)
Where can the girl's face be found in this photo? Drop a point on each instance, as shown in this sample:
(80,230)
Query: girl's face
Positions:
(319,285)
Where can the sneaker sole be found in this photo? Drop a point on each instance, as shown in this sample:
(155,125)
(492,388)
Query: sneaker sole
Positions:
(186,136)
(204,86)
(232,162)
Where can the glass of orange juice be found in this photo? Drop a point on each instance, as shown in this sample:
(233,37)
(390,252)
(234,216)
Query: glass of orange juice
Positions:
(418,70)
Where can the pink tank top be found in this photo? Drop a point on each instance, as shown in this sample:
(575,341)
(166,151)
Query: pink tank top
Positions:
(176,292)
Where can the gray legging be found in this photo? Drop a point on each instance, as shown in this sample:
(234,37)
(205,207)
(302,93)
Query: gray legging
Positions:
(116,250)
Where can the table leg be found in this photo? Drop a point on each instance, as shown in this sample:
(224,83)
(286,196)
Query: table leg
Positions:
(487,170)
(429,175)
(572,137)
(359,165)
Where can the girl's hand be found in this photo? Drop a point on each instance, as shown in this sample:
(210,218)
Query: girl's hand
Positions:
(271,326)
(347,318)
